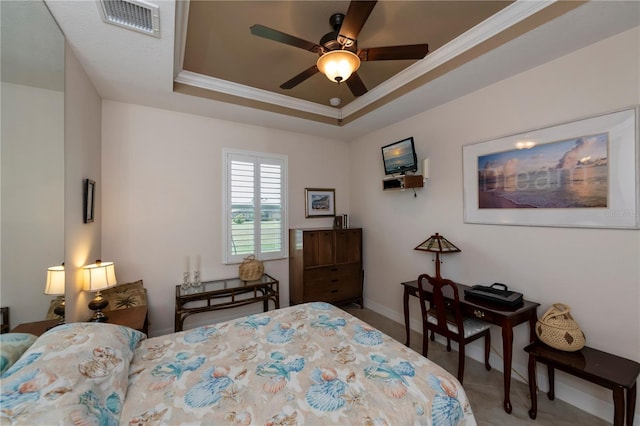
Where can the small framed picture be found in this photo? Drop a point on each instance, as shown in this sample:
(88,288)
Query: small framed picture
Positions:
(320,202)
(89,200)
(337,222)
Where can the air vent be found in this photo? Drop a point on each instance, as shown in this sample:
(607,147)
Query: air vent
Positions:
(135,15)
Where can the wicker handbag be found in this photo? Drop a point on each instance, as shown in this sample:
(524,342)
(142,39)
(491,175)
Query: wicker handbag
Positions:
(559,330)
(251,269)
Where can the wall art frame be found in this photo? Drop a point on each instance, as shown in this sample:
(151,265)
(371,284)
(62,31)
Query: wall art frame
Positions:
(517,180)
(89,197)
(319,202)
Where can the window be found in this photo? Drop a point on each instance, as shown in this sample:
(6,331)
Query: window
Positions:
(255,206)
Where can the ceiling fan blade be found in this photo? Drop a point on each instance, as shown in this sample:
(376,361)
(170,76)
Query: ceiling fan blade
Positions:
(390,53)
(354,20)
(356,85)
(275,35)
(300,78)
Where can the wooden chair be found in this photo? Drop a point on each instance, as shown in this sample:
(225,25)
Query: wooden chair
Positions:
(444,317)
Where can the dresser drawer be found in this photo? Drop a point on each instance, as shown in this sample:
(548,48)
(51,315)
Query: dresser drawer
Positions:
(319,274)
(482,314)
(329,273)
(334,290)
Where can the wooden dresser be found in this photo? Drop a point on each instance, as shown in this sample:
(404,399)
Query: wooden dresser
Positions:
(325,265)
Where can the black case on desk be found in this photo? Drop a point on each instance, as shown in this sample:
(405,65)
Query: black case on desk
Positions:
(496,294)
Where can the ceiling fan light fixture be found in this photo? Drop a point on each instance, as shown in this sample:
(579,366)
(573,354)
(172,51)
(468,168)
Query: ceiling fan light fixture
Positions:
(338,65)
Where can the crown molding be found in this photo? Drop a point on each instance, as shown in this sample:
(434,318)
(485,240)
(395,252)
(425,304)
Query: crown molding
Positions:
(235,89)
(180,35)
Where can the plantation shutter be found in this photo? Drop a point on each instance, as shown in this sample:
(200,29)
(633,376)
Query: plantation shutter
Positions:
(254,206)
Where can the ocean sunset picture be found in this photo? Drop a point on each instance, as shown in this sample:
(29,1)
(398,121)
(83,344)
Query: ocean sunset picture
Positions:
(571,173)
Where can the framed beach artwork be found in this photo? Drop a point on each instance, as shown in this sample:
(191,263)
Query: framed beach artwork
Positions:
(320,202)
(578,174)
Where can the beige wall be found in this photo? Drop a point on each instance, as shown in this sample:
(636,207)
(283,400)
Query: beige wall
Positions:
(82,160)
(162,192)
(595,271)
(32,197)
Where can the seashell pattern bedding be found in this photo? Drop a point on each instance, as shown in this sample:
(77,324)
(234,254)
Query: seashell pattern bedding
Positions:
(310,364)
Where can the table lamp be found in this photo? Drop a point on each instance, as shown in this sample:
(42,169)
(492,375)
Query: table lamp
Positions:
(55,287)
(97,277)
(437,244)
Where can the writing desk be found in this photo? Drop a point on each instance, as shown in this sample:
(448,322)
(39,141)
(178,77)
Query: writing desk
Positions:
(506,319)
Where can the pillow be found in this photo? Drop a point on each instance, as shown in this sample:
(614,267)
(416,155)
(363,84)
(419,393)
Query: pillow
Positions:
(12,346)
(75,373)
(125,295)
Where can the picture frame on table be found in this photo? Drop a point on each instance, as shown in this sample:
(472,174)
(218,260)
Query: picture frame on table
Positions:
(88,204)
(319,202)
(582,173)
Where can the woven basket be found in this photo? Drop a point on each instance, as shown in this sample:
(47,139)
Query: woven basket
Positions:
(559,330)
(251,269)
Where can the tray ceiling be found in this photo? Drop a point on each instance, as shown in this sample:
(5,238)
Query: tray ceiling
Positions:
(219,44)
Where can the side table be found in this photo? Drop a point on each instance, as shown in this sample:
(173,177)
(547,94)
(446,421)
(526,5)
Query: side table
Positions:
(604,369)
(135,318)
(223,294)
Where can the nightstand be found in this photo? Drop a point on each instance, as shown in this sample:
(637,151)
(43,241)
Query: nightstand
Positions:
(135,318)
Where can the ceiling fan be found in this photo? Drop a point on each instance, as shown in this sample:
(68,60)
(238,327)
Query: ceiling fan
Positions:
(339,54)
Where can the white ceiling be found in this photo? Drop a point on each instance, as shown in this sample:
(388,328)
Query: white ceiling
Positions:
(131,67)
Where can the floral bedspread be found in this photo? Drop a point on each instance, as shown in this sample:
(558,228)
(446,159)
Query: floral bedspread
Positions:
(310,364)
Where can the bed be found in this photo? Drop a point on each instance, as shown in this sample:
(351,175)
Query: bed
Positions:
(311,364)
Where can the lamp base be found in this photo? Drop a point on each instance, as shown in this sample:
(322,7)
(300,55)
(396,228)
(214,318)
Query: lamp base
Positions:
(98,316)
(98,304)
(59,311)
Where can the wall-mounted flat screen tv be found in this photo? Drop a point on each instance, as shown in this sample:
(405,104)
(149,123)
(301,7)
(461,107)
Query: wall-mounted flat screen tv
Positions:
(400,157)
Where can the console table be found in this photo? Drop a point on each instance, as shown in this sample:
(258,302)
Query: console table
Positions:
(506,319)
(604,369)
(223,294)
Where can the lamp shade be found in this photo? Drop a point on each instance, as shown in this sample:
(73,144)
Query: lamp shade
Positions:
(338,65)
(99,276)
(437,244)
(55,281)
